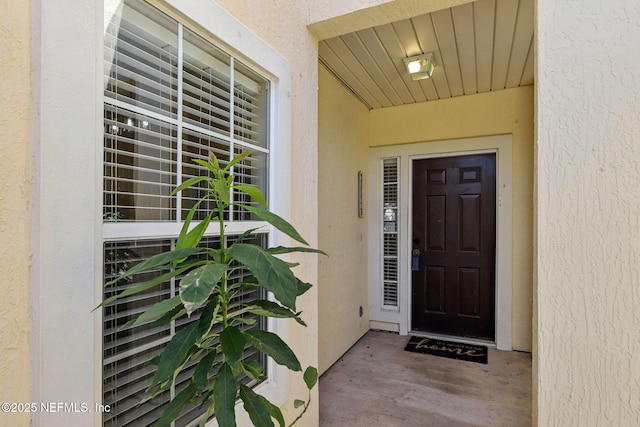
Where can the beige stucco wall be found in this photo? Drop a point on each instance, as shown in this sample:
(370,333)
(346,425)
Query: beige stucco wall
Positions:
(342,277)
(330,18)
(495,113)
(588,166)
(588,214)
(15,189)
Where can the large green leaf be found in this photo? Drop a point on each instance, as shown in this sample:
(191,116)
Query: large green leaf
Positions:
(156,311)
(310,377)
(186,224)
(272,273)
(277,221)
(274,411)
(237,159)
(302,287)
(224,397)
(201,374)
(253,369)
(146,285)
(232,344)
(273,346)
(244,320)
(212,164)
(175,353)
(176,405)
(223,191)
(244,235)
(254,192)
(191,238)
(175,313)
(160,260)
(269,308)
(285,250)
(189,183)
(272,309)
(208,316)
(205,417)
(255,407)
(196,286)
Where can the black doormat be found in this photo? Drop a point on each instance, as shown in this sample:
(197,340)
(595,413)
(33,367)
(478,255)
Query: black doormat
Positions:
(452,350)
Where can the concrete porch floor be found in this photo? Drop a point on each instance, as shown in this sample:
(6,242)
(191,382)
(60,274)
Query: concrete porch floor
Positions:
(378,384)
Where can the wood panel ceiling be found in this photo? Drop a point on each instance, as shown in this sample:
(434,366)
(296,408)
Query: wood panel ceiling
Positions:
(478,47)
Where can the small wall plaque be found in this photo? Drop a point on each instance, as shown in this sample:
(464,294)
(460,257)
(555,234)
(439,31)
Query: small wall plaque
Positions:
(360,195)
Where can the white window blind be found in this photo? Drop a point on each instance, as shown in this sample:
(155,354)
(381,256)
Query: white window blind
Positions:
(127,351)
(390,254)
(170,97)
(170,100)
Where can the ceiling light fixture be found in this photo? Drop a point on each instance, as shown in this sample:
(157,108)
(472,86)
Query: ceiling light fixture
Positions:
(420,66)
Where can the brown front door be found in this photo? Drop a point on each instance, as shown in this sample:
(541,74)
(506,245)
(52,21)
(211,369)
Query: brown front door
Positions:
(454,246)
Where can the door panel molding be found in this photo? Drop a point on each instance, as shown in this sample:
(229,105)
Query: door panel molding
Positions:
(468,220)
(400,320)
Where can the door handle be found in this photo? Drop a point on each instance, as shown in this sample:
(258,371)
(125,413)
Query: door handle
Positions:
(415,260)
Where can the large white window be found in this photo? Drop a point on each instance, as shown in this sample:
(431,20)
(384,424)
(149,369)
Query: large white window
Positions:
(170,96)
(71,227)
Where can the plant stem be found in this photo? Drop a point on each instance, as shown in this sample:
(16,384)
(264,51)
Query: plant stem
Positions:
(306,406)
(223,249)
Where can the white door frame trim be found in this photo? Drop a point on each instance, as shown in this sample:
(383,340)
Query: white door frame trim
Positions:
(499,144)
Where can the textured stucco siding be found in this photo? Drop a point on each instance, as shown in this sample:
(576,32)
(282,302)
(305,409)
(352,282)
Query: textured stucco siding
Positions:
(588,214)
(15,190)
(586,336)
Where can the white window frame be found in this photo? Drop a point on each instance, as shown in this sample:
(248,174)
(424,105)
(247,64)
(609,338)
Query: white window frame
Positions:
(67,229)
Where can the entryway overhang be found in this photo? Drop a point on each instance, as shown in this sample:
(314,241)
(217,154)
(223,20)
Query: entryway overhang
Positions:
(478,46)
(482,49)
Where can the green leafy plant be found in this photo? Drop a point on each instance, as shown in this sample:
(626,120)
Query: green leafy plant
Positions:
(217,340)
